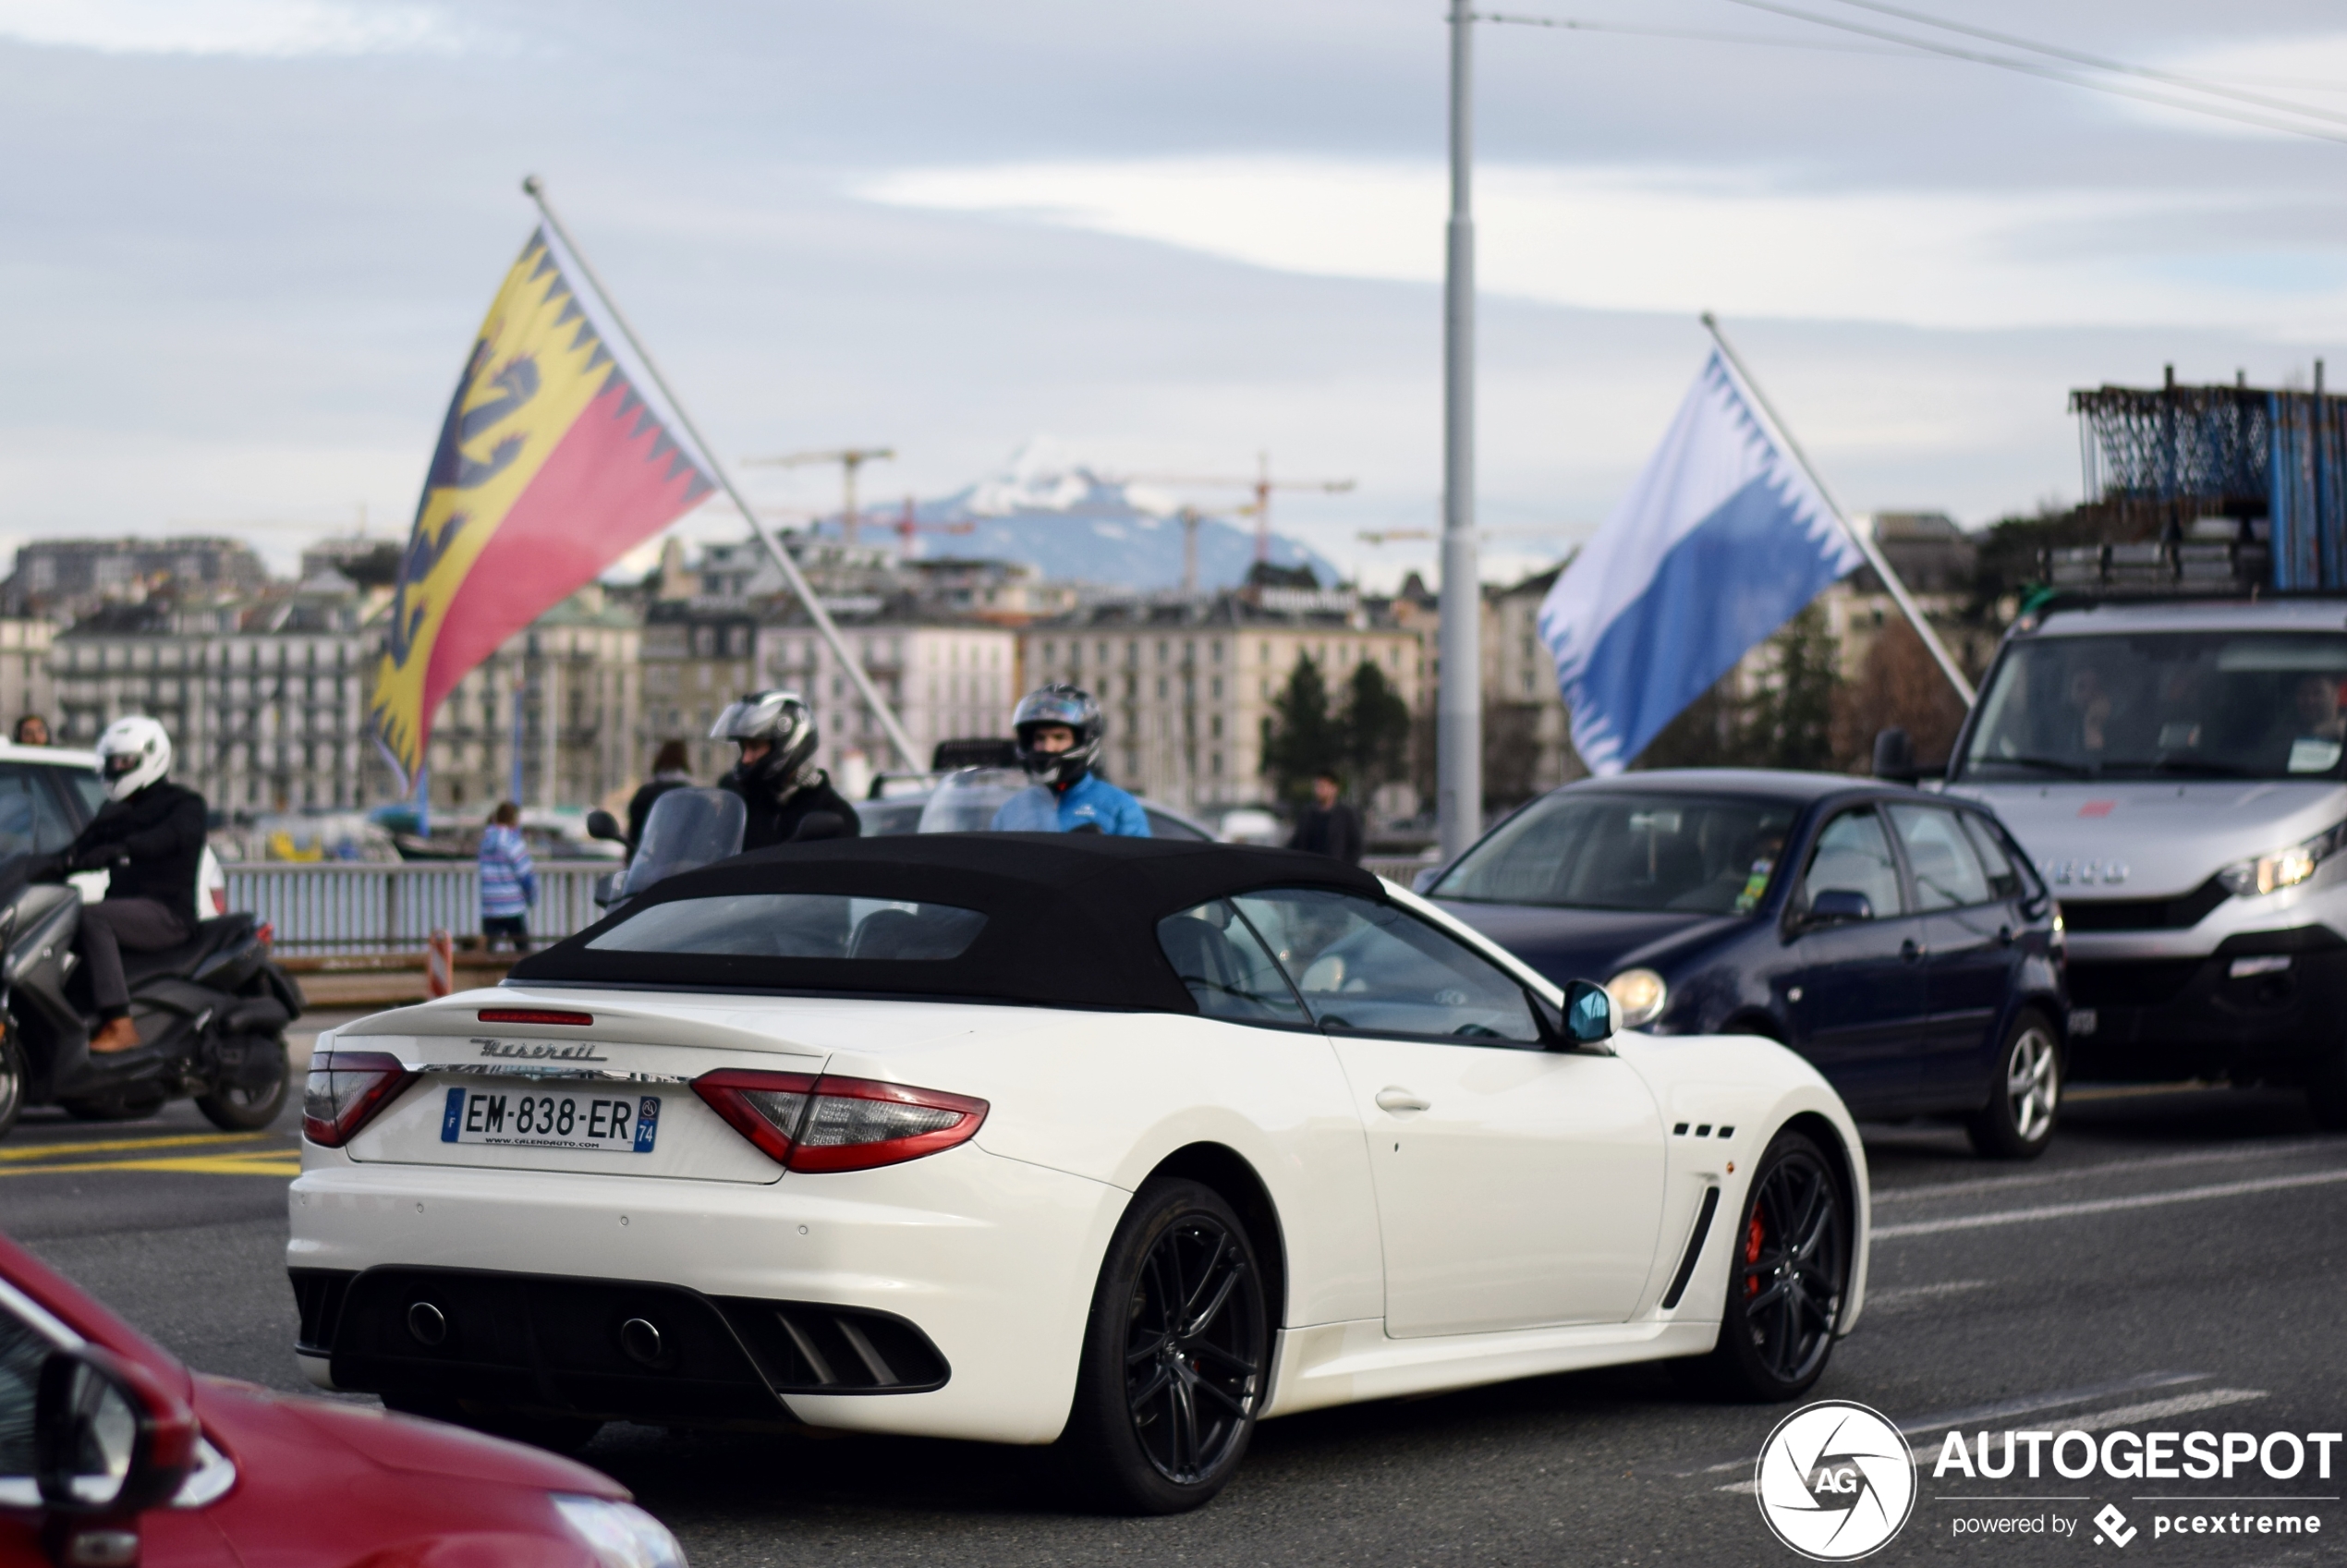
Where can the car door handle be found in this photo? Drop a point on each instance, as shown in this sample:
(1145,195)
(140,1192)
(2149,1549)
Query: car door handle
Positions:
(1909,951)
(1400,1100)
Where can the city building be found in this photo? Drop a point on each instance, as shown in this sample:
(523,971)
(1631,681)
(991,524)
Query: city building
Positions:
(554,718)
(25,683)
(63,580)
(946,679)
(265,699)
(699,654)
(1186,684)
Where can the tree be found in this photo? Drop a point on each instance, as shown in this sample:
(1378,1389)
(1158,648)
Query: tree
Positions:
(1373,731)
(1899,685)
(1789,722)
(1300,739)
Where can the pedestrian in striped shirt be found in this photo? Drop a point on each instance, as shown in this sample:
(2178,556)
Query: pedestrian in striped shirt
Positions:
(508,882)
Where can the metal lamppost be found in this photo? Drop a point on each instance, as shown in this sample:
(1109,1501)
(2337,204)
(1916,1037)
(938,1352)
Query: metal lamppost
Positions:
(1458,724)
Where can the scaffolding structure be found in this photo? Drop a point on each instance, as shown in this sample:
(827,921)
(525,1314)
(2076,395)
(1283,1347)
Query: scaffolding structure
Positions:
(2160,463)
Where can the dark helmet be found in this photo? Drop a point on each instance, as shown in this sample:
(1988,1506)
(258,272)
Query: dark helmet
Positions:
(783,720)
(1058,704)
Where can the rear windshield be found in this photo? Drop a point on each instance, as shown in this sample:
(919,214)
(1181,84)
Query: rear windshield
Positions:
(1586,850)
(796,925)
(2213,704)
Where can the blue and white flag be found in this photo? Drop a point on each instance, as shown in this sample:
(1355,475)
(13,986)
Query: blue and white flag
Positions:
(1721,541)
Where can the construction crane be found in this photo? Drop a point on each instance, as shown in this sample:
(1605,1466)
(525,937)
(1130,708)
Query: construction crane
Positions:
(1262,484)
(849,459)
(906,526)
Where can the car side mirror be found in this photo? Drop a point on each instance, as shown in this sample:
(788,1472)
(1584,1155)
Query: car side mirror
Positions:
(1894,757)
(1588,1020)
(603,824)
(109,1441)
(1835,904)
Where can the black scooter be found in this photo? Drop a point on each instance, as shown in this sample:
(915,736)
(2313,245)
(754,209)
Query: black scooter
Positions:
(211,1015)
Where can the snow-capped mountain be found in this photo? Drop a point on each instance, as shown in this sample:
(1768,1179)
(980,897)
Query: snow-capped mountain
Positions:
(1072,522)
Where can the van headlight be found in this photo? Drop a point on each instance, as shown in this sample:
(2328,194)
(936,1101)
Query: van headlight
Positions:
(2283,867)
(1638,996)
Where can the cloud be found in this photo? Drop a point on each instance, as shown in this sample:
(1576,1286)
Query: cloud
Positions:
(1680,239)
(264,29)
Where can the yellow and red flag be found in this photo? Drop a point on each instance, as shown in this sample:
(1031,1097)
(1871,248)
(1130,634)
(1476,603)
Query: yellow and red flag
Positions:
(559,454)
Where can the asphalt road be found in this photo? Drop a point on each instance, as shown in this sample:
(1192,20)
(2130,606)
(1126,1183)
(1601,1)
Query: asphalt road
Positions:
(2178,1259)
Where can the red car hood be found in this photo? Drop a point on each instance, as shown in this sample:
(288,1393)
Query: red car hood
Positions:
(242,1416)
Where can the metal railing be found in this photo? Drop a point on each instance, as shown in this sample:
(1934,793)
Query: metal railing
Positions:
(330,907)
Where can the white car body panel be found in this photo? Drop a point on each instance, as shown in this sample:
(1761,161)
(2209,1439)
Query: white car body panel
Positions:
(993,1249)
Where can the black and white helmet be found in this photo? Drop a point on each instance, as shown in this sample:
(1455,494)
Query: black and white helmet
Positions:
(132,754)
(1063,705)
(783,720)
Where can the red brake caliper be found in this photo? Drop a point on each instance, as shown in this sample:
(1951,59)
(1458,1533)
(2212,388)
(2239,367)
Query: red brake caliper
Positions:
(1752,1239)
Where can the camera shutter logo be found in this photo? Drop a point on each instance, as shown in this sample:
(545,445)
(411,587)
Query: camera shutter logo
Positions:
(1835,1481)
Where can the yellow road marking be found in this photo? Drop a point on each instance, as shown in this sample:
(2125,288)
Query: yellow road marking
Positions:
(232,1163)
(108,1146)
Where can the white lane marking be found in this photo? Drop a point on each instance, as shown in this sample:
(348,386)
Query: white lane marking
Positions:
(2114,1168)
(1893,1300)
(2108,1205)
(2026,1404)
(2100,1420)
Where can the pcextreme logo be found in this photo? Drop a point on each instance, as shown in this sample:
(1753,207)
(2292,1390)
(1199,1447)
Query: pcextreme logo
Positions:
(1835,1481)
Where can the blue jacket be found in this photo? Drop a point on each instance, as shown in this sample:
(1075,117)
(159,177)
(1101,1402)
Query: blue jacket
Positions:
(508,882)
(1090,801)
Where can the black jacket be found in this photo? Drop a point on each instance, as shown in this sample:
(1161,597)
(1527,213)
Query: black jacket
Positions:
(162,831)
(773,821)
(1335,833)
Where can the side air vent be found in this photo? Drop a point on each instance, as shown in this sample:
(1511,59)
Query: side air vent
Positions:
(318,1294)
(1695,1248)
(803,1348)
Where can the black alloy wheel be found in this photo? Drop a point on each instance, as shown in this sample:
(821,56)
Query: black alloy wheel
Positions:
(1177,1356)
(1788,1273)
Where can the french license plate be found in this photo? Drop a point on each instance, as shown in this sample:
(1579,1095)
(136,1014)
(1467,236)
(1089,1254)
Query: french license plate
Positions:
(617,1123)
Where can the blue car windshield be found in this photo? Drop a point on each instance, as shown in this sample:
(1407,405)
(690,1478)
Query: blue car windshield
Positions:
(1591,850)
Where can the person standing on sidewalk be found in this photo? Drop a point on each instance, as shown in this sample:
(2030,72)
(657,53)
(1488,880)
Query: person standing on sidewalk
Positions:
(508,882)
(1329,826)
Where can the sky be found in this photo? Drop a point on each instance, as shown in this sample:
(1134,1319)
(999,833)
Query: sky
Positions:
(243,244)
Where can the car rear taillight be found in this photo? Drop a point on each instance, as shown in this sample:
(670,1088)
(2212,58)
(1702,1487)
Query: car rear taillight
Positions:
(344,1091)
(835,1123)
(533,1015)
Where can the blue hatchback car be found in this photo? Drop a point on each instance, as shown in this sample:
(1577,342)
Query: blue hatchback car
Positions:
(1899,941)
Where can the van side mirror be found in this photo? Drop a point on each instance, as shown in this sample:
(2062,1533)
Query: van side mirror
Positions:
(603,824)
(1833,906)
(1589,1018)
(1894,757)
(109,1441)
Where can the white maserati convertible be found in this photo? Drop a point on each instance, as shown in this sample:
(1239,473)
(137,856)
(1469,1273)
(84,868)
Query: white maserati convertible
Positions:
(1121,1143)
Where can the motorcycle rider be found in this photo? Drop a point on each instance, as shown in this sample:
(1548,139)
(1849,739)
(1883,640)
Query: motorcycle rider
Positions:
(1060,731)
(776,777)
(150,836)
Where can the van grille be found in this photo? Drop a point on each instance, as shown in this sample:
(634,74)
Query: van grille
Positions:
(2180,913)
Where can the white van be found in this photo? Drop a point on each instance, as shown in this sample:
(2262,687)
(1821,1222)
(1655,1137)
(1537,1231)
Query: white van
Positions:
(2176,771)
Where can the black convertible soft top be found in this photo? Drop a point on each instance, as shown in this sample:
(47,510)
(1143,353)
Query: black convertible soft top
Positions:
(1071,918)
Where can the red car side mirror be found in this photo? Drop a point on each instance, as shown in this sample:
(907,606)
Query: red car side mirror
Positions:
(109,1441)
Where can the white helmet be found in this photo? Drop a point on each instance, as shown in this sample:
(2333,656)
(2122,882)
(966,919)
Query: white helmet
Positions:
(132,754)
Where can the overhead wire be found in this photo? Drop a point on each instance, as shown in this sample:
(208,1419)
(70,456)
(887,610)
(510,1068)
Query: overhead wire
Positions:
(2047,73)
(1906,46)
(2100,61)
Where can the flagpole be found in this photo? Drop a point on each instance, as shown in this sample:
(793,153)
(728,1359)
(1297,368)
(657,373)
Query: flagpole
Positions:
(1866,546)
(1458,708)
(536,190)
